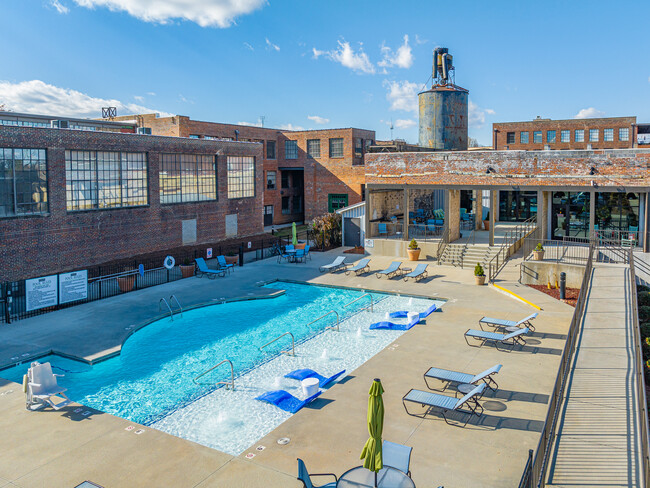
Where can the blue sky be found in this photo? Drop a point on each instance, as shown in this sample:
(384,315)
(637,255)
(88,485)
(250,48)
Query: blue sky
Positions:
(318,64)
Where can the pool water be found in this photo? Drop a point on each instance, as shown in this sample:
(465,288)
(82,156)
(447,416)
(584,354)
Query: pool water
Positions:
(150,382)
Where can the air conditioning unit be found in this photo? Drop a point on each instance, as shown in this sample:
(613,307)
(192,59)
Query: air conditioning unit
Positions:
(60,124)
(144,131)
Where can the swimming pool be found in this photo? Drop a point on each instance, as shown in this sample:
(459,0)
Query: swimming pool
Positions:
(151,381)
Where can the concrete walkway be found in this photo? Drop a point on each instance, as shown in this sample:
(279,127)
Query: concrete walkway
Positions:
(598,436)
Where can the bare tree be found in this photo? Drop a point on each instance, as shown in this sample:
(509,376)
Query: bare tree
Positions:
(473,142)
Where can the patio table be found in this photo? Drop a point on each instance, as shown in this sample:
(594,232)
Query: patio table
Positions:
(387,477)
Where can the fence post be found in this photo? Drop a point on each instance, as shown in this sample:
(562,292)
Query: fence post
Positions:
(100,282)
(8,301)
(323,233)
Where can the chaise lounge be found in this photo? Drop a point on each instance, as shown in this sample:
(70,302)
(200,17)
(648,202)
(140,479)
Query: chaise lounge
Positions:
(449,377)
(338,263)
(445,403)
(391,271)
(500,323)
(420,272)
(202,269)
(362,266)
(512,339)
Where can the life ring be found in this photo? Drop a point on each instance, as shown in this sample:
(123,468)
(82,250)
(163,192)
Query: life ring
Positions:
(169,262)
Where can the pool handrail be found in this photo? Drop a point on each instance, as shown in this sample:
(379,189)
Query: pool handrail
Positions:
(325,315)
(293,344)
(177,302)
(171,314)
(230,383)
(357,299)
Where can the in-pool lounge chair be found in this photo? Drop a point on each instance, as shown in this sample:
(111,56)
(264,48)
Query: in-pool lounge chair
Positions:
(285,400)
(362,266)
(391,271)
(202,269)
(418,273)
(445,403)
(302,374)
(41,386)
(223,265)
(449,377)
(393,326)
(338,263)
(511,339)
(500,323)
(423,315)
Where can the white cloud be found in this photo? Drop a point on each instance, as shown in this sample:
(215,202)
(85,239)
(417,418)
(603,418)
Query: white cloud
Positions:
(402,95)
(589,113)
(251,124)
(270,45)
(404,123)
(184,99)
(138,98)
(62,9)
(402,58)
(152,94)
(318,119)
(248,46)
(206,13)
(418,40)
(476,117)
(291,127)
(490,111)
(346,56)
(36,96)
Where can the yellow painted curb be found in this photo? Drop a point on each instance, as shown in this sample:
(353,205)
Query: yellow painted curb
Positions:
(516,296)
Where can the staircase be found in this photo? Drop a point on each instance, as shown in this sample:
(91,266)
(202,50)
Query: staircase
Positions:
(467,255)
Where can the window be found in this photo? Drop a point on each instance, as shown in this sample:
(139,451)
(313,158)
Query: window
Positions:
(537,137)
(363,192)
(336,201)
(368,143)
(550,136)
(297,204)
(624,134)
(270,149)
(291,149)
(593,135)
(579,135)
(103,179)
(608,135)
(241,176)
(187,178)
(194,136)
(565,136)
(23,182)
(336,147)
(313,148)
(523,137)
(510,138)
(286,210)
(270,180)
(358,147)
(285,179)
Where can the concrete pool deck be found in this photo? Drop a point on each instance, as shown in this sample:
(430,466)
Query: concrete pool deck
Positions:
(65,448)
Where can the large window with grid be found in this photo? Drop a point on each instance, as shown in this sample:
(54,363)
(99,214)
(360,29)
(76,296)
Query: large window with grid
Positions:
(537,137)
(550,136)
(608,135)
(23,182)
(510,138)
(187,178)
(241,176)
(105,179)
(336,147)
(593,135)
(291,149)
(523,137)
(565,136)
(624,134)
(270,149)
(579,135)
(358,147)
(313,148)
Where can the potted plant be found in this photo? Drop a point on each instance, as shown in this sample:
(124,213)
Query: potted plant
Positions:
(479,274)
(126,282)
(413,250)
(486,221)
(232,258)
(187,268)
(538,252)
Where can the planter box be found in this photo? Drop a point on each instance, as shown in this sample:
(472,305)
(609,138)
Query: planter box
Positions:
(126,283)
(232,260)
(187,270)
(480,280)
(414,254)
(486,224)
(538,255)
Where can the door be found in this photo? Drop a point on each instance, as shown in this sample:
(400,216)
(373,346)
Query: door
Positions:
(352,231)
(268,215)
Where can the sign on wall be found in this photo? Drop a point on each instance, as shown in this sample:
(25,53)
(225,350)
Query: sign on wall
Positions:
(369,243)
(41,292)
(208,253)
(73,286)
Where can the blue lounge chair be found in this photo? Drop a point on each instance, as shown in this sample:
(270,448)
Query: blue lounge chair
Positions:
(418,273)
(301,374)
(381,228)
(500,323)
(223,265)
(445,403)
(391,271)
(511,339)
(202,269)
(285,400)
(396,456)
(362,266)
(305,477)
(334,265)
(423,315)
(393,326)
(456,378)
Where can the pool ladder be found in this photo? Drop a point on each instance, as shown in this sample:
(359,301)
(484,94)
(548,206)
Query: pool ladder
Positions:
(230,385)
(293,344)
(338,319)
(357,299)
(171,312)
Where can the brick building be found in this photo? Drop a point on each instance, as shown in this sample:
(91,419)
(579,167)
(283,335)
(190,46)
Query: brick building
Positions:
(71,199)
(307,173)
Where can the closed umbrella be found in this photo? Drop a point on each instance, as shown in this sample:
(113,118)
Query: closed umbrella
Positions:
(371,453)
(294,239)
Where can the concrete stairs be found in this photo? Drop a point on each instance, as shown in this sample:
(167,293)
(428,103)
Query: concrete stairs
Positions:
(458,254)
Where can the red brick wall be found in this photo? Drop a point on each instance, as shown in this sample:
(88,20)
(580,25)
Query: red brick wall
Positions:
(61,241)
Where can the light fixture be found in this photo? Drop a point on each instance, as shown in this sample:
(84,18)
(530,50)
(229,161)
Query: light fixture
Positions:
(592,171)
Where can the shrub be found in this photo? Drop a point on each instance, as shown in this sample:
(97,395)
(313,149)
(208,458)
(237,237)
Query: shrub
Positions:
(478,270)
(644,299)
(186,262)
(644,313)
(326,230)
(413,244)
(539,247)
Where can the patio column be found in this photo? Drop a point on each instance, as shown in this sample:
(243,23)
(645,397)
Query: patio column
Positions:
(542,212)
(367,214)
(477,208)
(407,208)
(592,214)
(452,214)
(493,210)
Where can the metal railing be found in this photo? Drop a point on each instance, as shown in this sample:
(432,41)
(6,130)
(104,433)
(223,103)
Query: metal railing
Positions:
(472,238)
(171,314)
(512,240)
(444,240)
(535,469)
(325,315)
(425,232)
(357,299)
(293,344)
(177,303)
(228,384)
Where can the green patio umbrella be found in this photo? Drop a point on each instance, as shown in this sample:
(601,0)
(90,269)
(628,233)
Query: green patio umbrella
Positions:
(294,239)
(371,453)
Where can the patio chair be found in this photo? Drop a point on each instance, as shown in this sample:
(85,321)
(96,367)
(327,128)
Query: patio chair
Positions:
(202,269)
(300,256)
(305,477)
(511,339)
(445,403)
(420,272)
(396,456)
(631,239)
(334,265)
(500,323)
(223,265)
(391,271)
(41,386)
(362,266)
(449,377)
(307,253)
(382,229)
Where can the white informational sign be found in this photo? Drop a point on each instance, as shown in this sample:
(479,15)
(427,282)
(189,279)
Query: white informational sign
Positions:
(208,253)
(73,286)
(41,292)
(250,244)
(369,243)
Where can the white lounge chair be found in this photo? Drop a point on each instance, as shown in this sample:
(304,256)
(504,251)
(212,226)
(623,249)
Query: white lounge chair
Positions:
(501,323)
(40,386)
(334,265)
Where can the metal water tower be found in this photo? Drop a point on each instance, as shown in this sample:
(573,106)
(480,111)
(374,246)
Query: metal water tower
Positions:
(443,108)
